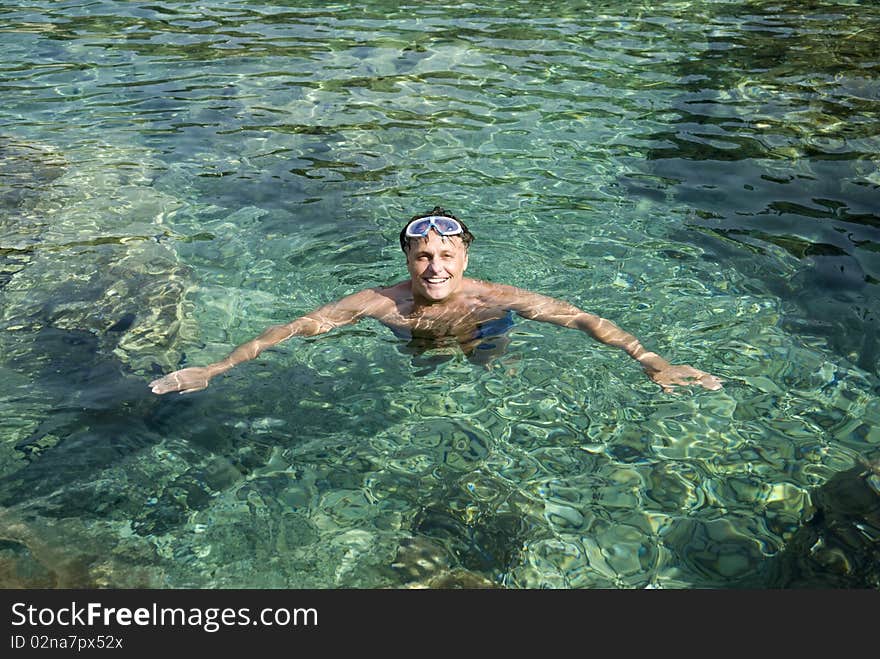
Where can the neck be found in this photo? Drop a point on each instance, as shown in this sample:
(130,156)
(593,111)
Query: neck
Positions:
(420,301)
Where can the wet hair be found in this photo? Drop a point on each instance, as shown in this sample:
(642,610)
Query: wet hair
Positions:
(466,237)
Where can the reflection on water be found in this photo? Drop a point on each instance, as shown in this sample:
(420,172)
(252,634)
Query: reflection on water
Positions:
(172,182)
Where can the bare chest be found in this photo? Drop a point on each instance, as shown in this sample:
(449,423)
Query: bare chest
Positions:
(457,321)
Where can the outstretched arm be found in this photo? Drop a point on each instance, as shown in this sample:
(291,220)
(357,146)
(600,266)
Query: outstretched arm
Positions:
(547,309)
(342,312)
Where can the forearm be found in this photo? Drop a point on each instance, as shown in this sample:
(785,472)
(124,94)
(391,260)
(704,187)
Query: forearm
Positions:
(604,331)
(304,326)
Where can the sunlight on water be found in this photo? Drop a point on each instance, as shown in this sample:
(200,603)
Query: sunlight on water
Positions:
(173,180)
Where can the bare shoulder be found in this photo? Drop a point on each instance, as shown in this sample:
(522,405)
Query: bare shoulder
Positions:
(524,302)
(399,291)
(364,303)
(380,300)
(495,293)
(401,286)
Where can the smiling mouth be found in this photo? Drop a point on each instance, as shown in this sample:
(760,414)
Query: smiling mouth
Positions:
(436,280)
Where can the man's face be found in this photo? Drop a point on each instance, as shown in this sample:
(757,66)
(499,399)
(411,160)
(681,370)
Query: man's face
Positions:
(436,265)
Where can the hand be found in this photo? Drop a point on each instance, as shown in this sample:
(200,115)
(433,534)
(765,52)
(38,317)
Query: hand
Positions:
(672,376)
(185,381)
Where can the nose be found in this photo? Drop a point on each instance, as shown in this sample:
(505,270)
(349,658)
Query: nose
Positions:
(434,265)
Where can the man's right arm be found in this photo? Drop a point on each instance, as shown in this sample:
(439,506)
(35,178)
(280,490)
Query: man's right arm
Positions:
(345,311)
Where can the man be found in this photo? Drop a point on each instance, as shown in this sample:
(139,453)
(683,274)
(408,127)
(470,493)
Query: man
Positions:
(439,304)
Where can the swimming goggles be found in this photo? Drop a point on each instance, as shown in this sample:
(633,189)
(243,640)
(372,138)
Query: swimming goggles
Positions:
(445,226)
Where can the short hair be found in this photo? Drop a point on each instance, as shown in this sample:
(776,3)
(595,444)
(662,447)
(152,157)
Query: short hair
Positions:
(466,236)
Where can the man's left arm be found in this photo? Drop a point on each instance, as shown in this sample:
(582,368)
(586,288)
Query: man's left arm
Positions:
(551,310)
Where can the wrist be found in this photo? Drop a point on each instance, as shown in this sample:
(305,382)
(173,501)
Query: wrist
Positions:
(651,361)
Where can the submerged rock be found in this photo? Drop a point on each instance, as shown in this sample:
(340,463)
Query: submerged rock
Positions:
(25,168)
(457,579)
(91,289)
(84,248)
(839,547)
(36,552)
(423,563)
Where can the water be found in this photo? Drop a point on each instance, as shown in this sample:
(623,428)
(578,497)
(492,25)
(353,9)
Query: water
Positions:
(175,178)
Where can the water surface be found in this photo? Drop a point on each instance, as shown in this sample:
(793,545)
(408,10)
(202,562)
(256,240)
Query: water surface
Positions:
(176,177)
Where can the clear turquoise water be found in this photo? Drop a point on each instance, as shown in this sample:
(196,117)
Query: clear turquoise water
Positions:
(176,177)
